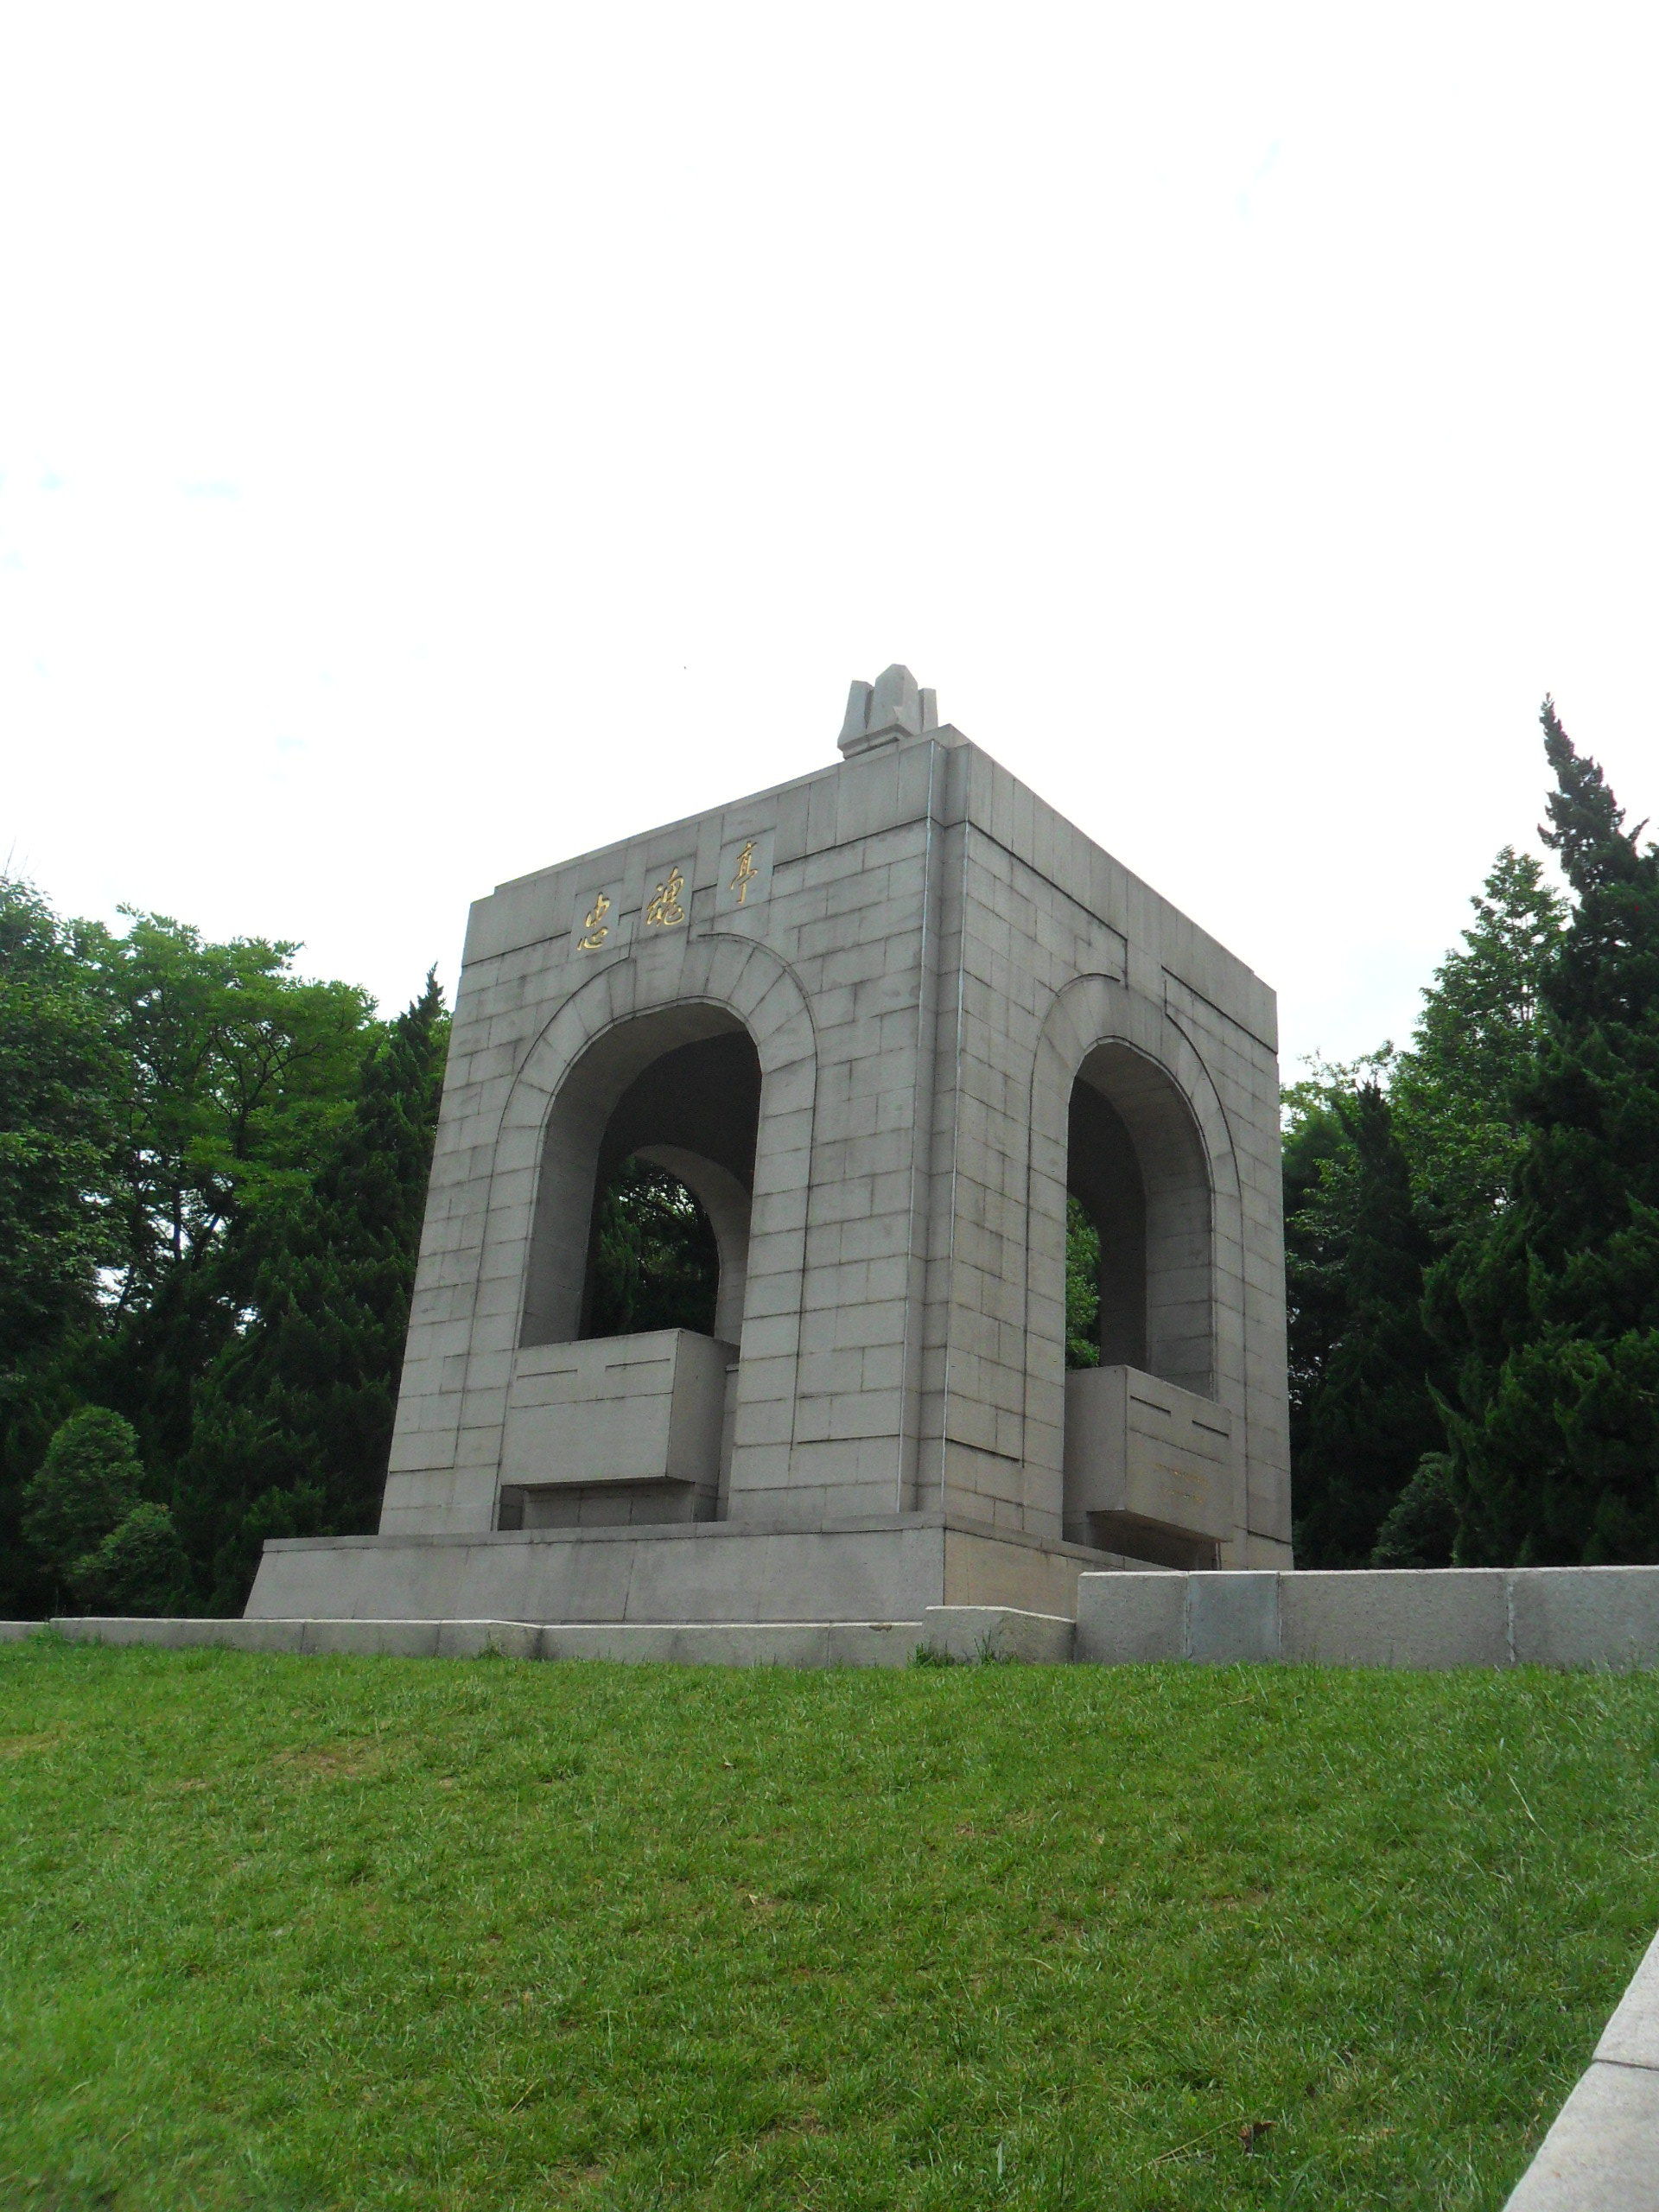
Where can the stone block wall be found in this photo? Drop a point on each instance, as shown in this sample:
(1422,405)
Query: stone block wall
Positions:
(924,956)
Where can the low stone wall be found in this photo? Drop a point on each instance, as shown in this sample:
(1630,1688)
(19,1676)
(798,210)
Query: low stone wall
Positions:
(1591,1616)
(709,1643)
(1604,1617)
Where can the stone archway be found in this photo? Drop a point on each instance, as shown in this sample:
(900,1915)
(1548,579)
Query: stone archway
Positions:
(1113,1071)
(694,989)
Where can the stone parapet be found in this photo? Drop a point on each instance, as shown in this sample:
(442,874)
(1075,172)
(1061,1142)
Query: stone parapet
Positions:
(1606,1616)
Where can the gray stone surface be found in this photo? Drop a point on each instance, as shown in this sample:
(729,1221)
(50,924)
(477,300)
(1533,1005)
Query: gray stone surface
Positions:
(707,1643)
(1602,2154)
(184,1635)
(964,1632)
(741,1643)
(1406,1618)
(1606,1616)
(14,1632)
(1125,1620)
(952,1008)
(890,1567)
(1148,1463)
(1631,2036)
(1585,1617)
(1232,1619)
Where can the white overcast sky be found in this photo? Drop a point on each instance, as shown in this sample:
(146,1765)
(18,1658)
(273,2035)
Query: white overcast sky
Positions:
(434,441)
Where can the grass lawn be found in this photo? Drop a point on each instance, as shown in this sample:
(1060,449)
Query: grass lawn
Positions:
(376,1932)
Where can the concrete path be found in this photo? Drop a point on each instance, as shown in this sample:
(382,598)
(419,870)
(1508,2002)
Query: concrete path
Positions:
(1602,2155)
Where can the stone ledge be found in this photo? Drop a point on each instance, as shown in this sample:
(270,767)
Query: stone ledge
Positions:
(1596,1616)
(709,1643)
(1602,2154)
(963,1632)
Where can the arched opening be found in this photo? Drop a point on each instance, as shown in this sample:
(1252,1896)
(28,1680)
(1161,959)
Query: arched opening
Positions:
(1147,1450)
(623,1388)
(656,1256)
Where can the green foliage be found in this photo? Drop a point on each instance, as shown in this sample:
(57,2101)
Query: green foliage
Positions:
(1553,1314)
(293,1423)
(56,1076)
(85,1487)
(657,1264)
(1367,1214)
(1455,1094)
(1420,1528)
(426,1935)
(139,1568)
(1082,1287)
(212,1172)
(237,1074)
(57,1072)
(1363,1414)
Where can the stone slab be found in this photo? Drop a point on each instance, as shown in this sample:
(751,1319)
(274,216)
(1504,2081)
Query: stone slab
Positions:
(14,1632)
(738,1644)
(1232,1619)
(698,1643)
(719,1572)
(1602,2154)
(1585,1617)
(964,1632)
(885,1567)
(1131,1619)
(1429,1618)
(1603,1617)
(181,1635)
(1631,2036)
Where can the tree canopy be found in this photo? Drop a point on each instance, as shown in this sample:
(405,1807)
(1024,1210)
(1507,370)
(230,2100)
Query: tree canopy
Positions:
(214,1172)
(1492,1393)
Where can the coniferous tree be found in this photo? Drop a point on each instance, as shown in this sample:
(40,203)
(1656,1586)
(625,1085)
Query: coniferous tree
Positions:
(294,1423)
(1454,1092)
(1362,1410)
(1553,1314)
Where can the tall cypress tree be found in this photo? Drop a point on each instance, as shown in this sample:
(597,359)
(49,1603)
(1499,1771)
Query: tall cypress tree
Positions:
(293,1425)
(1552,1313)
(1362,1410)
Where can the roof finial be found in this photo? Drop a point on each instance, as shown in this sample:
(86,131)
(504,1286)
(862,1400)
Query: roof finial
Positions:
(882,713)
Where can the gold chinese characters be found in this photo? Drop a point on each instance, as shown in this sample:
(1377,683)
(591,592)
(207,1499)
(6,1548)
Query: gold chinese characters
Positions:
(665,908)
(595,926)
(746,872)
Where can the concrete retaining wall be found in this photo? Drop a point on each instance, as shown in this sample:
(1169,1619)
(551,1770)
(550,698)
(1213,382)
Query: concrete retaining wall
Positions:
(1603,1617)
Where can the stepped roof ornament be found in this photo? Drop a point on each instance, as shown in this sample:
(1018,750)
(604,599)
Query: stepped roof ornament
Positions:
(891,708)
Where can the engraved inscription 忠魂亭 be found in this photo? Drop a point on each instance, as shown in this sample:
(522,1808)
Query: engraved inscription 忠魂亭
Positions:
(746,872)
(667,906)
(595,927)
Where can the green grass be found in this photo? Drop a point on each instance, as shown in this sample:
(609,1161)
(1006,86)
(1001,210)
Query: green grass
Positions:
(374,1933)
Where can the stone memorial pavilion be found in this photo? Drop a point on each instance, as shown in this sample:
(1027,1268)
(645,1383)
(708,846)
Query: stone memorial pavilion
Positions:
(882,1023)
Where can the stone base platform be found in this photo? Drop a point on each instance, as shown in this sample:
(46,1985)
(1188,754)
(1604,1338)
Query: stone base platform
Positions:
(951,1632)
(891,1568)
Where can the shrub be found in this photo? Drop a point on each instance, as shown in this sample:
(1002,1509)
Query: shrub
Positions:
(84,1489)
(139,1567)
(1421,1527)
